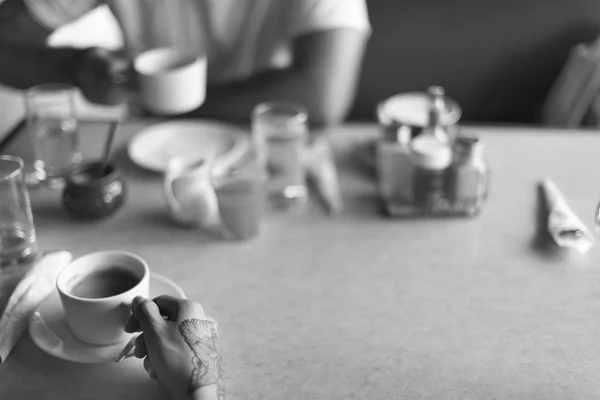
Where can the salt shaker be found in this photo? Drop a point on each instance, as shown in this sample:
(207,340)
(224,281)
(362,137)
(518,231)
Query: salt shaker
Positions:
(468,177)
(395,169)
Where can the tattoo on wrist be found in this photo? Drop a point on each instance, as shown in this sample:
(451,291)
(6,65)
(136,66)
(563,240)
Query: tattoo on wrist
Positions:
(207,364)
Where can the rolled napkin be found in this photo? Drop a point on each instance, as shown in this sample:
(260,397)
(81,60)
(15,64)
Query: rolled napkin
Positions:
(565,228)
(35,286)
(322,172)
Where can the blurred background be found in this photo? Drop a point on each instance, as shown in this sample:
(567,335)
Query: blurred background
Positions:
(497,59)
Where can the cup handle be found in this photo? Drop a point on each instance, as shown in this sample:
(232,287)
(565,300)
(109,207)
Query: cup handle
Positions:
(172,202)
(212,216)
(177,169)
(209,211)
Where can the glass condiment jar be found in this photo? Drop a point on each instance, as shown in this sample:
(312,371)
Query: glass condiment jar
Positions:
(395,169)
(468,177)
(90,193)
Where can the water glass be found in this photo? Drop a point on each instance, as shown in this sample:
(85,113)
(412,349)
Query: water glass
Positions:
(280,133)
(17,233)
(52,125)
(241,198)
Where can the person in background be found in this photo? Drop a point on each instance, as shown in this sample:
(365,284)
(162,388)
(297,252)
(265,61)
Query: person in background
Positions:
(305,51)
(180,347)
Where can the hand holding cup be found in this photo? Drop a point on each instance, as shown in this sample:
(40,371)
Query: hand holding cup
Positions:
(179,345)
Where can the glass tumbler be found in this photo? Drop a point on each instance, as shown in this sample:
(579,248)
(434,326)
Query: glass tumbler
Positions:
(280,133)
(52,125)
(17,232)
(241,197)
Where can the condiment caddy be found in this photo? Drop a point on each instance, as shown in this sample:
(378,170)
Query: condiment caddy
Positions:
(430,170)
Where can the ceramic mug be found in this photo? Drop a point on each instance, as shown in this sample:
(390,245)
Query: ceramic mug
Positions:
(172,80)
(96,292)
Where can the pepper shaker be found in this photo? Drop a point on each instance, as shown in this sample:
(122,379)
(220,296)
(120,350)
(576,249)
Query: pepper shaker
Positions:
(468,177)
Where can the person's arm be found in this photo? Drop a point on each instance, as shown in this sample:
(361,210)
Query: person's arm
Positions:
(323,78)
(26,65)
(102,75)
(179,346)
(26,61)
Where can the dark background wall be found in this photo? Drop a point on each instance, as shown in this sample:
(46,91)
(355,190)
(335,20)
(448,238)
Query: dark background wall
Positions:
(497,58)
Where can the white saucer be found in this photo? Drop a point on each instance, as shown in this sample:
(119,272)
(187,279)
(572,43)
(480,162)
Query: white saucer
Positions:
(154,146)
(49,330)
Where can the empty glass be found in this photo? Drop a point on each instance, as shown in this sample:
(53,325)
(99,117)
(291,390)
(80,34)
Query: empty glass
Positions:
(52,125)
(17,233)
(280,132)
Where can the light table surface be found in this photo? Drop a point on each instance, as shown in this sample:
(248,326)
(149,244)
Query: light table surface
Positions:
(357,306)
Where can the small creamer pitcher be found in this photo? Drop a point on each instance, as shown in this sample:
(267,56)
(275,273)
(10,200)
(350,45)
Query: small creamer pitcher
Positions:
(190,194)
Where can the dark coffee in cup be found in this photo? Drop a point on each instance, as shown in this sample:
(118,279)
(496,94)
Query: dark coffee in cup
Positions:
(105,283)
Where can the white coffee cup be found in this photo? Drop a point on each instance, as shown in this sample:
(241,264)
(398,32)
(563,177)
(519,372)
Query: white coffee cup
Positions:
(96,291)
(172,80)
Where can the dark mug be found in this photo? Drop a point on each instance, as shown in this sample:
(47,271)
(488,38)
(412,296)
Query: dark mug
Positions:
(90,193)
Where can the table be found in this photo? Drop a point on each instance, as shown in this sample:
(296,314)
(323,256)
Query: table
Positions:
(360,307)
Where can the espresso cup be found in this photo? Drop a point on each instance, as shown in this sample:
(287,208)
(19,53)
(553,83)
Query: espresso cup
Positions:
(172,80)
(96,292)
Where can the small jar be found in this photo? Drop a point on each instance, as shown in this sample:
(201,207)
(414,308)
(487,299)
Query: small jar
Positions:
(394,167)
(431,158)
(91,194)
(468,177)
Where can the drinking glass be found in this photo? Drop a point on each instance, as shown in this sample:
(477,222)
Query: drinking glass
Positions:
(17,233)
(280,132)
(241,198)
(52,125)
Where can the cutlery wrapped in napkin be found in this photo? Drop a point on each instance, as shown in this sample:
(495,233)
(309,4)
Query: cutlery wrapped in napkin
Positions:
(322,172)
(565,228)
(35,286)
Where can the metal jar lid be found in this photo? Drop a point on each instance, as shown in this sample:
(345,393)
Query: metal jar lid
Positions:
(413,109)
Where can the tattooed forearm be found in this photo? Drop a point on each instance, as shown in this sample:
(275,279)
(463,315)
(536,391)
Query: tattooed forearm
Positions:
(207,364)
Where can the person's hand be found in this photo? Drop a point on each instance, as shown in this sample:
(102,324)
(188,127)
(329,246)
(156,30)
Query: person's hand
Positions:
(104,76)
(179,345)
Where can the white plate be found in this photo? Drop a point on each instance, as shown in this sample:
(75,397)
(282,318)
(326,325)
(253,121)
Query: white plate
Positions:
(49,330)
(154,146)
